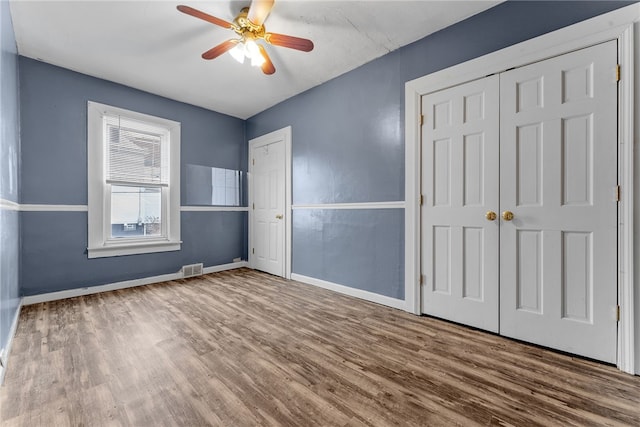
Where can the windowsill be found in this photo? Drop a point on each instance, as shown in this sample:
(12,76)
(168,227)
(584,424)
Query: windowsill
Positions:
(133,248)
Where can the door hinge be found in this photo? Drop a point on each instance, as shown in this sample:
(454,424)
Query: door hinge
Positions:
(253,206)
(421,119)
(422,279)
(617,72)
(617,313)
(254,161)
(617,194)
(253,250)
(421,200)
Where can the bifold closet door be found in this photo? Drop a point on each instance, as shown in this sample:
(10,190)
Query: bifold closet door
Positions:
(558,165)
(460,186)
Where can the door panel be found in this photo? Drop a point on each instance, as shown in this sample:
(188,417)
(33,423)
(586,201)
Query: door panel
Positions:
(558,169)
(268,172)
(529,270)
(553,163)
(460,184)
(473,263)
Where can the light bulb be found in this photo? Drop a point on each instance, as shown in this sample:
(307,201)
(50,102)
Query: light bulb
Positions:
(238,52)
(257,60)
(252,48)
(253,53)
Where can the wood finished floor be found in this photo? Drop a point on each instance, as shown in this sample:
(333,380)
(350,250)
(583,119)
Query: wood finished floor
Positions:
(242,348)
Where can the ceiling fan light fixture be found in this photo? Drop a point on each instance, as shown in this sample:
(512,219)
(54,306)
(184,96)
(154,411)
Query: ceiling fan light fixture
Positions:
(238,52)
(257,61)
(247,49)
(252,51)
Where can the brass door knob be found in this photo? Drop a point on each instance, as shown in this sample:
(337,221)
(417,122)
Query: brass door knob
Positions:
(278,216)
(507,215)
(491,216)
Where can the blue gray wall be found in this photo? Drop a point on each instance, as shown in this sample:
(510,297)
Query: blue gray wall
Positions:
(53,106)
(348,142)
(9,184)
(348,146)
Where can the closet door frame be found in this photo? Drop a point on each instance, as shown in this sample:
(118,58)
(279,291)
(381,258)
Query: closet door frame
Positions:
(616,25)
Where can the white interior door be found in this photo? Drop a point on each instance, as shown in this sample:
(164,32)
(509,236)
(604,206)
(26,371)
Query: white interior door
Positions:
(268,207)
(460,186)
(558,164)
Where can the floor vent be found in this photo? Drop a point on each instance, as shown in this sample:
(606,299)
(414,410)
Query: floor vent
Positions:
(192,270)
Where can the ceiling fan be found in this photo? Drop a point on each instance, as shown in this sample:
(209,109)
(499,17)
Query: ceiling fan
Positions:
(249,25)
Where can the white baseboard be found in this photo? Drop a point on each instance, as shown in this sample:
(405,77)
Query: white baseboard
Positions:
(71,293)
(358,293)
(5,352)
(224,267)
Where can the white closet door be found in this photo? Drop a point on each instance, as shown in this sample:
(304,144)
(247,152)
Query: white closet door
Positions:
(558,162)
(268,170)
(460,185)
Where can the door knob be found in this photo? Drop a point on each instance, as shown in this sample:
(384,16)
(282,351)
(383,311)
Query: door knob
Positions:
(491,216)
(278,216)
(507,215)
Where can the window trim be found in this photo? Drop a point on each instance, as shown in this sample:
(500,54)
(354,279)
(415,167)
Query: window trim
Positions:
(100,243)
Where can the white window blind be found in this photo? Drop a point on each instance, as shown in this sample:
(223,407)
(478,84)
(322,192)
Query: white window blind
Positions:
(136,153)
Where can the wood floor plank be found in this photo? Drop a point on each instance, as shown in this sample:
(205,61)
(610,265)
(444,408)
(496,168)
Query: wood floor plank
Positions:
(244,348)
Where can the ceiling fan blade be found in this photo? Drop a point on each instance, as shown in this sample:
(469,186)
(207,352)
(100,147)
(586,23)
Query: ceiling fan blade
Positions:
(267,66)
(220,49)
(259,10)
(291,42)
(204,16)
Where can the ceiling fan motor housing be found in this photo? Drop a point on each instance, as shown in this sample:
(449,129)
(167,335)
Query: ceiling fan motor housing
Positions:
(247,29)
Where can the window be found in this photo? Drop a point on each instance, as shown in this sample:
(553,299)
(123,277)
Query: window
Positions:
(133,182)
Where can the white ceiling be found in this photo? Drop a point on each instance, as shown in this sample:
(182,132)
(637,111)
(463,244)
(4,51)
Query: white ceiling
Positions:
(151,46)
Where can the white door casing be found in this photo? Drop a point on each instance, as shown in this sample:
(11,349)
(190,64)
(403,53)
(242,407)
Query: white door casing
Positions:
(270,203)
(460,186)
(558,168)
